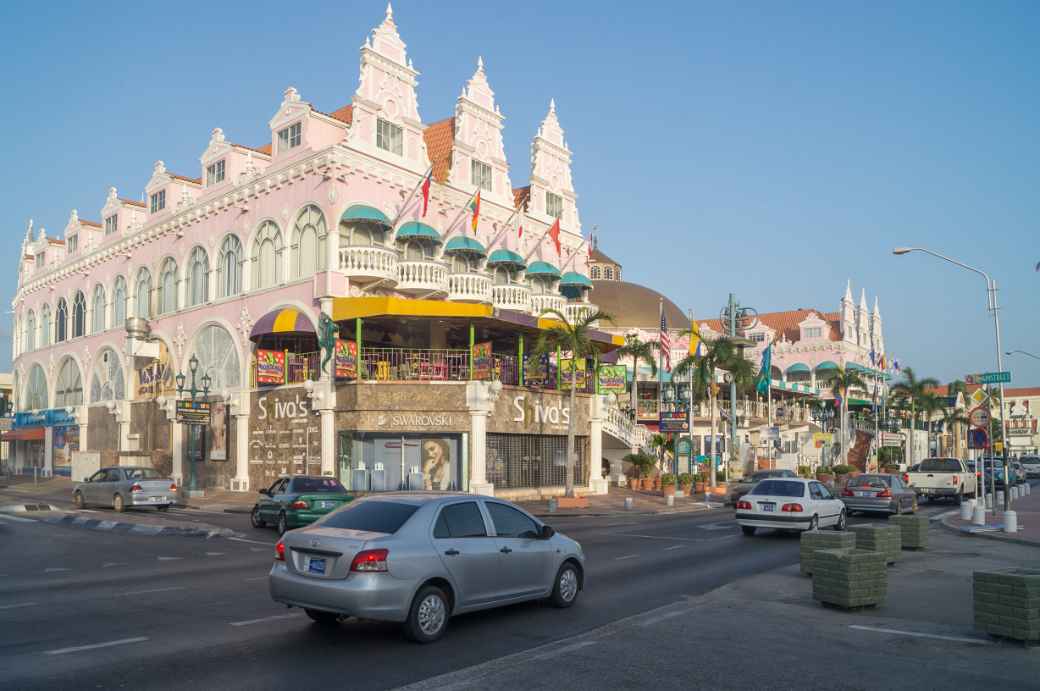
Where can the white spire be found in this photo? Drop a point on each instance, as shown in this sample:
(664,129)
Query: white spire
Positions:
(389,11)
(877,309)
(848,291)
(863,299)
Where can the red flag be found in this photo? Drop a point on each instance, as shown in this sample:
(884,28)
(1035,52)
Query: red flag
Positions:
(426,193)
(554,233)
(475,206)
(520,233)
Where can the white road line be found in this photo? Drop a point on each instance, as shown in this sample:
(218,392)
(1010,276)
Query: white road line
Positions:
(249,622)
(659,537)
(627,556)
(564,650)
(669,549)
(155,590)
(56,569)
(108,564)
(915,634)
(255,578)
(95,646)
(169,558)
(16,519)
(17,605)
(214,554)
(662,617)
(255,542)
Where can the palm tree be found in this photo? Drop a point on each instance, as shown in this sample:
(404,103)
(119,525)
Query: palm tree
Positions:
(843,380)
(573,338)
(911,391)
(952,419)
(927,407)
(639,351)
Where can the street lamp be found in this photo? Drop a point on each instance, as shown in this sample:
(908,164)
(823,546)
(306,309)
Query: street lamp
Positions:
(1022,352)
(205,380)
(1010,523)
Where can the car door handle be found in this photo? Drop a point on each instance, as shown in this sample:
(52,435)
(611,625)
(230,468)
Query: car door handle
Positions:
(505,550)
(452,552)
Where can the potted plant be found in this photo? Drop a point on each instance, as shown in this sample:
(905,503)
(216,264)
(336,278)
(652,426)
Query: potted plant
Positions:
(685,483)
(647,475)
(825,475)
(720,488)
(668,484)
(804,471)
(842,473)
(698,483)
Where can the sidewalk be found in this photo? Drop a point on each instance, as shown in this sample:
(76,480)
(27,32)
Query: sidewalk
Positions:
(1027,510)
(613,504)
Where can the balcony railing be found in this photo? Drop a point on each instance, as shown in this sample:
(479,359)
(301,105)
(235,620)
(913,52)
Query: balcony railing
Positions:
(541,303)
(369,262)
(577,310)
(413,364)
(422,276)
(511,297)
(469,287)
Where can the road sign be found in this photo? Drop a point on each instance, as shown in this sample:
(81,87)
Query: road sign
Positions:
(979,417)
(989,378)
(193,412)
(891,439)
(998,446)
(979,396)
(978,439)
(674,421)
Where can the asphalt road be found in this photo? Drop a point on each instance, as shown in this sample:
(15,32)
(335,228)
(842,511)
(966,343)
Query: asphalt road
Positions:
(82,608)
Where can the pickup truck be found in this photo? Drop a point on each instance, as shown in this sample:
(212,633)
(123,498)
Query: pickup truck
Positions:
(943,477)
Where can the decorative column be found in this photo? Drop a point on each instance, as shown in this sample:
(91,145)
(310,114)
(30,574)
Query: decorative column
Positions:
(597,483)
(48,452)
(480,401)
(121,412)
(239,408)
(169,407)
(323,395)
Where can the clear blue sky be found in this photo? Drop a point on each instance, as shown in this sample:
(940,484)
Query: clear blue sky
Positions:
(771,149)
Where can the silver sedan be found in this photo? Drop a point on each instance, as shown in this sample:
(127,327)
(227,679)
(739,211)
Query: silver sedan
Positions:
(419,558)
(125,487)
(879,492)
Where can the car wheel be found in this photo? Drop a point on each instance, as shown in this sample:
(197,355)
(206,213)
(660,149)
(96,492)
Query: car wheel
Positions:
(164,507)
(814,524)
(428,617)
(959,499)
(117,503)
(282,524)
(748,530)
(842,521)
(77,500)
(254,518)
(567,585)
(322,617)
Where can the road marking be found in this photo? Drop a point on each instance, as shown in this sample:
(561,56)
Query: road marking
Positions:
(255,542)
(108,564)
(56,569)
(214,554)
(95,646)
(627,556)
(659,537)
(564,650)
(250,622)
(256,578)
(915,634)
(16,519)
(662,617)
(17,605)
(155,590)
(259,549)
(669,549)
(169,558)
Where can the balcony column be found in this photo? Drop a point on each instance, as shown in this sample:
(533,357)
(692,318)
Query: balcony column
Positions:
(169,408)
(597,483)
(480,401)
(239,408)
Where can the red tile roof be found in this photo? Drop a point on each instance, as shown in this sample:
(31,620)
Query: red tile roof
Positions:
(344,114)
(93,224)
(521,197)
(1022,391)
(597,256)
(133,202)
(440,137)
(184,178)
(258,150)
(786,323)
(265,149)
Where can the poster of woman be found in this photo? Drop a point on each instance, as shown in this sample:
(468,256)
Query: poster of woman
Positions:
(218,431)
(436,464)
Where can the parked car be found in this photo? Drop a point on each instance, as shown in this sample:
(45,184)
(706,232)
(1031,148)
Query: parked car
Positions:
(949,478)
(421,557)
(790,504)
(122,488)
(296,501)
(878,492)
(744,485)
(994,469)
(1031,464)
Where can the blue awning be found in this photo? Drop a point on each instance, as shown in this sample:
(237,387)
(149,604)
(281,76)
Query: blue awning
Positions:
(461,243)
(797,367)
(361,212)
(506,257)
(543,269)
(826,365)
(415,229)
(573,278)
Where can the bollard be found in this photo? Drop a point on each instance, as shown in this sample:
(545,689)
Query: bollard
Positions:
(1010,522)
(999,500)
(553,504)
(1014,493)
(989,502)
(669,500)
(628,503)
(979,516)
(1027,487)
(967,509)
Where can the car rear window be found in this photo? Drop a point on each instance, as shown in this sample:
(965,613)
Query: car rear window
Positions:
(375,516)
(779,488)
(766,474)
(944,465)
(143,474)
(317,484)
(870,481)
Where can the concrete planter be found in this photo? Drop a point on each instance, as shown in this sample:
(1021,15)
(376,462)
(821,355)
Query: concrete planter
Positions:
(849,578)
(1007,603)
(813,541)
(886,539)
(913,530)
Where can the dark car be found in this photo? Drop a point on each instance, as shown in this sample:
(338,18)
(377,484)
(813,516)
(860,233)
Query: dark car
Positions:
(743,486)
(292,502)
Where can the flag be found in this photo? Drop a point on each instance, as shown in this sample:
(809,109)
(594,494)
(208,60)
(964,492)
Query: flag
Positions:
(837,401)
(520,233)
(475,207)
(881,363)
(695,340)
(554,233)
(665,342)
(426,192)
(873,355)
(895,364)
(765,370)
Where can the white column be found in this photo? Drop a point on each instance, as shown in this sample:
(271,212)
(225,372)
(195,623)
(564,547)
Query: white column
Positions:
(48,452)
(122,415)
(240,483)
(328,441)
(480,400)
(176,439)
(597,483)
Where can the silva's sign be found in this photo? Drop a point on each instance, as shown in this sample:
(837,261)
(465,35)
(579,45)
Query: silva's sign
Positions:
(548,413)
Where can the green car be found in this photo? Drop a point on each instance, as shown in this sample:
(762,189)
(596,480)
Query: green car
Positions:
(296,501)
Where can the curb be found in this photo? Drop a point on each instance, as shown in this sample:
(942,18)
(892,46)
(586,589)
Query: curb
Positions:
(134,528)
(26,508)
(964,531)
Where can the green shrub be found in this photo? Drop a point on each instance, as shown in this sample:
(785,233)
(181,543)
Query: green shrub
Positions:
(804,471)
(668,479)
(843,469)
(685,479)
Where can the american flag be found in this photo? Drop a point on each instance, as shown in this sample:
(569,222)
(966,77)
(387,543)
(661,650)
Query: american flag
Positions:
(666,344)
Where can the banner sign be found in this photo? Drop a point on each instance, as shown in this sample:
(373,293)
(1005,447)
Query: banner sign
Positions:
(1021,426)
(891,439)
(674,421)
(270,367)
(218,431)
(193,412)
(482,360)
(978,439)
(346,359)
(612,378)
(565,374)
(52,417)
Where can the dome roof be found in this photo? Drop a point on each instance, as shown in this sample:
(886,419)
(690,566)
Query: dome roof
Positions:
(635,306)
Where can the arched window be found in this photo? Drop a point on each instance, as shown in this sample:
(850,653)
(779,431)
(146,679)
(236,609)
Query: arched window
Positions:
(229,267)
(68,390)
(417,251)
(594,272)
(36,390)
(107,383)
(267,256)
(61,321)
(361,234)
(119,303)
(501,276)
(97,317)
(143,294)
(218,358)
(462,264)
(198,277)
(45,325)
(30,332)
(608,273)
(168,286)
(79,314)
(308,243)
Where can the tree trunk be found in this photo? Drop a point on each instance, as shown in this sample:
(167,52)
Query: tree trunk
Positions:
(711,450)
(569,488)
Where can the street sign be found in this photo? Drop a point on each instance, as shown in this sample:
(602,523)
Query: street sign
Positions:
(193,412)
(989,378)
(891,439)
(674,421)
(979,417)
(979,396)
(978,439)
(998,446)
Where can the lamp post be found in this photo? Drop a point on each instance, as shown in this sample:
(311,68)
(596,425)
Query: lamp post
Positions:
(991,305)
(1022,352)
(194,391)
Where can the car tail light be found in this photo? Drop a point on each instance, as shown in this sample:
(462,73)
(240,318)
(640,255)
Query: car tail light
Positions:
(279,551)
(847,492)
(885,493)
(743,505)
(299,504)
(173,486)
(906,478)
(792,508)
(370,560)
(136,488)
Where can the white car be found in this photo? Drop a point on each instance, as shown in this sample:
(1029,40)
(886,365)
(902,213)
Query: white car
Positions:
(790,504)
(1031,464)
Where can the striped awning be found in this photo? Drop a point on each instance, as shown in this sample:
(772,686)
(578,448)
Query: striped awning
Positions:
(24,434)
(287,320)
(361,212)
(794,387)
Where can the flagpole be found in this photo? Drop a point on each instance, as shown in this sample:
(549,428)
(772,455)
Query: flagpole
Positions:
(660,375)
(410,197)
(505,227)
(769,410)
(451,226)
(539,243)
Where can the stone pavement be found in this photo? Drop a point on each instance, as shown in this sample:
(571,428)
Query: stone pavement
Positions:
(613,503)
(1027,510)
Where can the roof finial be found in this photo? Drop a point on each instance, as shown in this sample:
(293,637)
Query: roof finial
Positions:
(552,105)
(389,10)
(848,290)
(480,63)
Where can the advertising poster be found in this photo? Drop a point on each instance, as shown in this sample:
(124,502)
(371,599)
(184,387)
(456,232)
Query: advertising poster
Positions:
(565,374)
(65,441)
(218,431)
(270,367)
(346,359)
(156,377)
(482,360)
(612,378)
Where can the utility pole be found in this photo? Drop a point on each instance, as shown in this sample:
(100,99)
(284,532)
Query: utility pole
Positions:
(732,308)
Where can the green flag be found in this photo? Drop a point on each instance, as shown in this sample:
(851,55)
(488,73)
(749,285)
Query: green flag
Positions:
(762,383)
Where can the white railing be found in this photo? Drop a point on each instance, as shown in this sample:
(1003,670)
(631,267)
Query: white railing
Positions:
(374,262)
(469,287)
(511,297)
(541,303)
(619,425)
(423,276)
(577,310)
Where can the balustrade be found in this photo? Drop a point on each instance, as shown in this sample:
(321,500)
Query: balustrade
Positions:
(369,262)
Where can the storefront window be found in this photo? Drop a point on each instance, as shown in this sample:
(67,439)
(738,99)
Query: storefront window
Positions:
(377,462)
(516,461)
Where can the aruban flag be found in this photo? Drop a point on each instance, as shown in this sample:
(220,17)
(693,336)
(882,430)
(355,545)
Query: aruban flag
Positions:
(554,233)
(426,192)
(665,343)
(695,340)
(837,401)
(520,233)
(881,363)
(475,208)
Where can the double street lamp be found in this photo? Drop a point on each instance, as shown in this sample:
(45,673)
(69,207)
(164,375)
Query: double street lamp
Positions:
(194,391)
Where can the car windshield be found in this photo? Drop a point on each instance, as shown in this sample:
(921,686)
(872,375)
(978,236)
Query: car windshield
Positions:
(375,516)
(766,474)
(317,484)
(143,474)
(871,481)
(947,465)
(779,488)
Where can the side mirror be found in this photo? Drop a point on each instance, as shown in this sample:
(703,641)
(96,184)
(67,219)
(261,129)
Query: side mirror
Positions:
(547,532)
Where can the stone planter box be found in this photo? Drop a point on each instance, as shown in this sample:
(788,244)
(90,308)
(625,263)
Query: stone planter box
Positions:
(1007,603)
(913,530)
(886,539)
(813,541)
(849,578)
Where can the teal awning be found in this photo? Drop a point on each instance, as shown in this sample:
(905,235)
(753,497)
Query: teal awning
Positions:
(360,212)
(414,229)
(505,257)
(573,278)
(543,269)
(797,367)
(826,365)
(461,243)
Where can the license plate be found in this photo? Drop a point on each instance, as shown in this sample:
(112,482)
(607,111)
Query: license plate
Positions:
(316,566)
(864,494)
(768,507)
(155,500)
